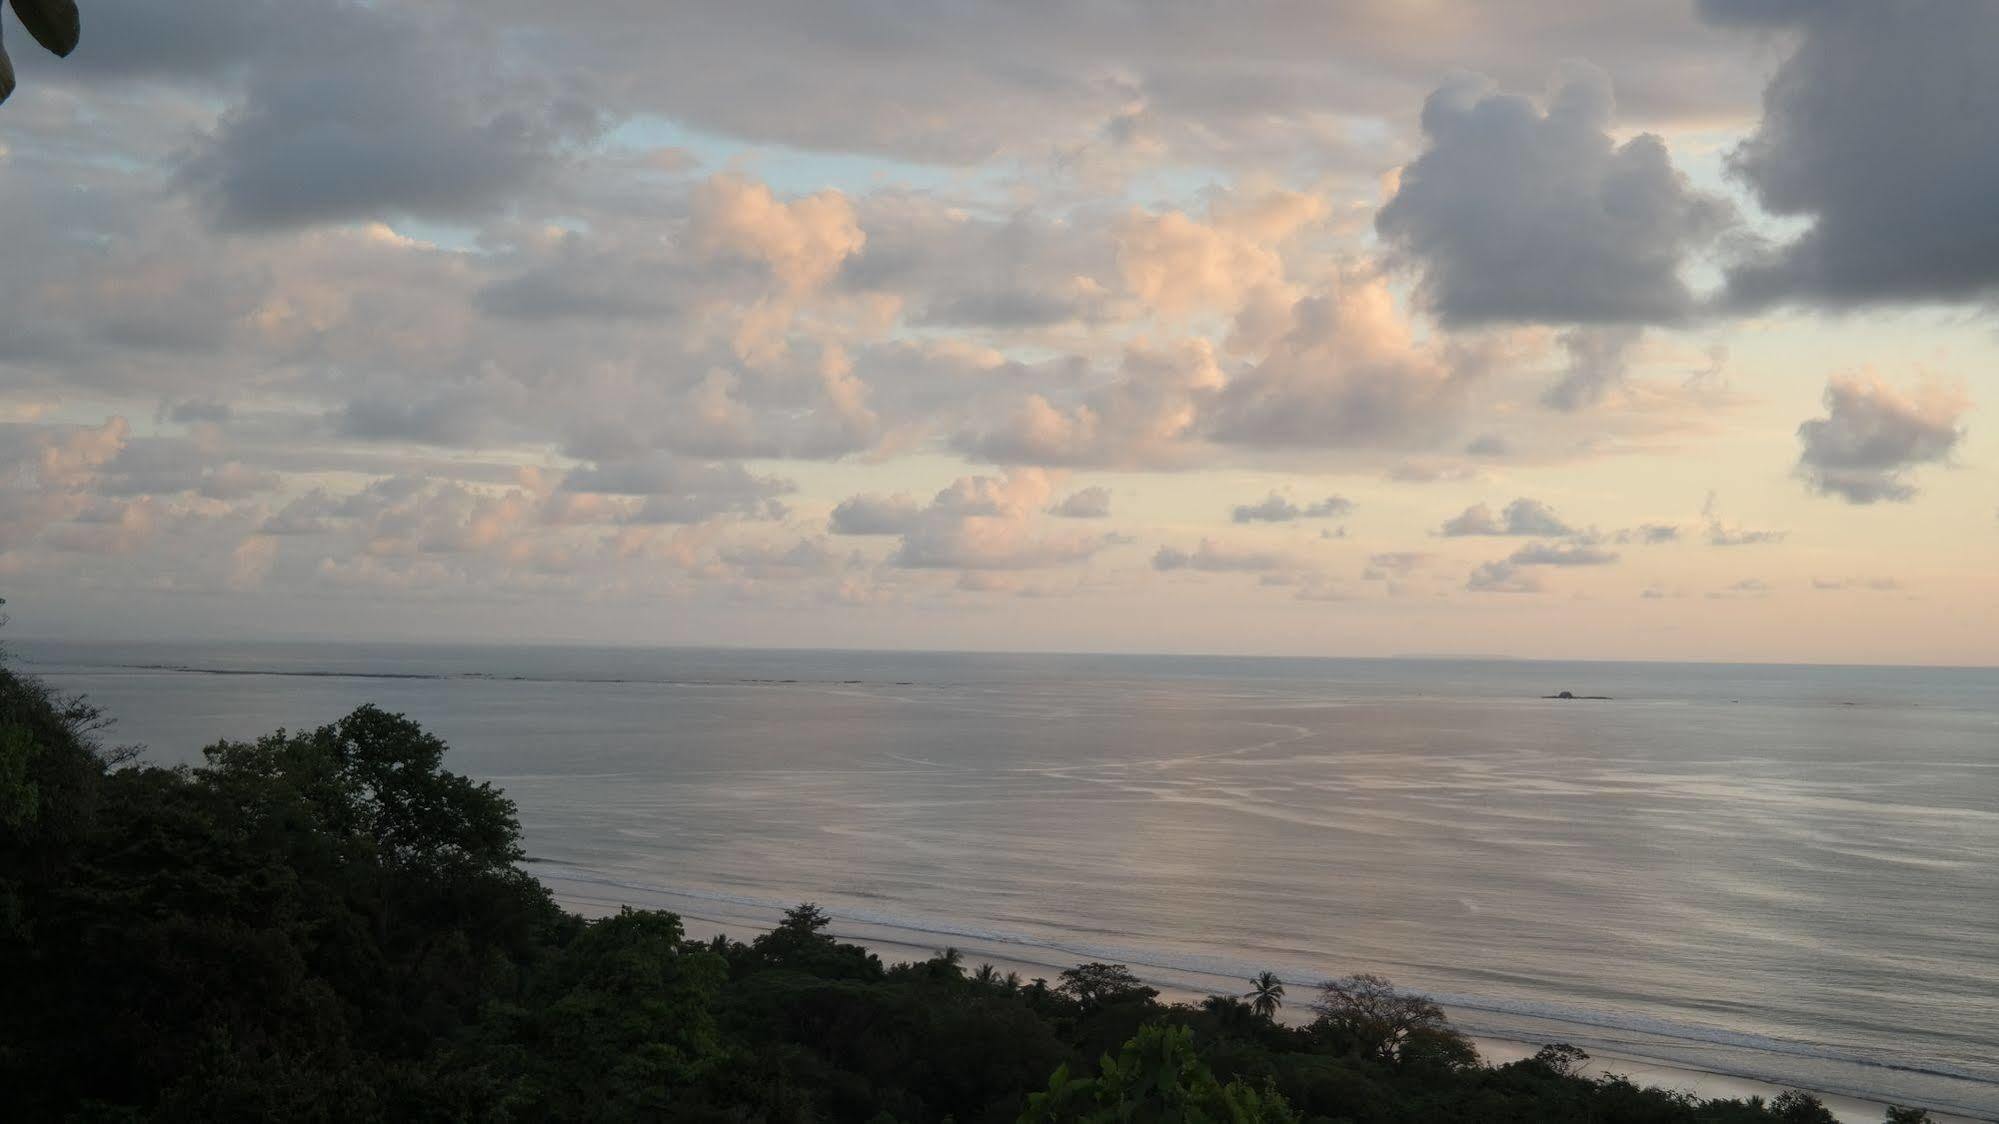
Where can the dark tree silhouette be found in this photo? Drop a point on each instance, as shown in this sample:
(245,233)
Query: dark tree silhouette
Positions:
(1097,984)
(1373,1018)
(55,24)
(1266,994)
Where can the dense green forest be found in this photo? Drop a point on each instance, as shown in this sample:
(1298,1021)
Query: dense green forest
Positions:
(328,925)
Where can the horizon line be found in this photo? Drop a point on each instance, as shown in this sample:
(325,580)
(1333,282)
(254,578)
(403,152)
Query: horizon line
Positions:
(1400,657)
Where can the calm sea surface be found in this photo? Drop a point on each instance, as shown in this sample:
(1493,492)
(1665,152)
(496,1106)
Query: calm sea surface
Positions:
(1786,873)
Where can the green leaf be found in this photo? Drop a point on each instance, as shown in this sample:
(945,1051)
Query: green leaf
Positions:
(55,24)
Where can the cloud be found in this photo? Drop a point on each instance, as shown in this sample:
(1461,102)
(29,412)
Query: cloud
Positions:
(167,466)
(1547,554)
(310,514)
(376,114)
(1872,585)
(802,242)
(1599,357)
(1881,128)
(1277,508)
(1720,533)
(1147,418)
(451,245)
(874,515)
(1502,577)
(1089,503)
(196,410)
(1177,265)
(1873,435)
(1513,574)
(1516,214)
(1341,370)
(1217,558)
(1650,534)
(1521,517)
(983,523)
(1746,588)
(804,558)
(682,491)
(461,419)
(1394,566)
(1346,372)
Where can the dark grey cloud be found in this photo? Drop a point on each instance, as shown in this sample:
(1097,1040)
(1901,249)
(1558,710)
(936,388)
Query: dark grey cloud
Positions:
(1088,503)
(1278,508)
(198,40)
(1873,435)
(678,490)
(194,410)
(1521,517)
(545,294)
(457,420)
(874,515)
(1515,214)
(1549,554)
(1882,129)
(1514,573)
(382,115)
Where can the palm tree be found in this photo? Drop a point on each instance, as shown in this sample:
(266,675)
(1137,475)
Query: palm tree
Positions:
(1266,994)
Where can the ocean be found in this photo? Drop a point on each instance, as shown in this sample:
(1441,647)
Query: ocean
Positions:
(1789,874)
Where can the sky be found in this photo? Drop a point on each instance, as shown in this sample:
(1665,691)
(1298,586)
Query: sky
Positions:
(1637,329)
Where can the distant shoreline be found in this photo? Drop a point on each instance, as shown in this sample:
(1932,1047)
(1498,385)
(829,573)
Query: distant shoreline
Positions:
(1850,1107)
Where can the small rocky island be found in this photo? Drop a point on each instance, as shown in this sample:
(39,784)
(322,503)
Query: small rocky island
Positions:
(1573,695)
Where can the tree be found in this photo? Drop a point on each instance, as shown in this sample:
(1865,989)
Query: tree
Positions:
(1097,984)
(1795,1106)
(1366,1015)
(1897,1114)
(380,777)
(55,24)
(619,1022)
(1156,1076)
(1561,1059)
(800,943)
(1266,994)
